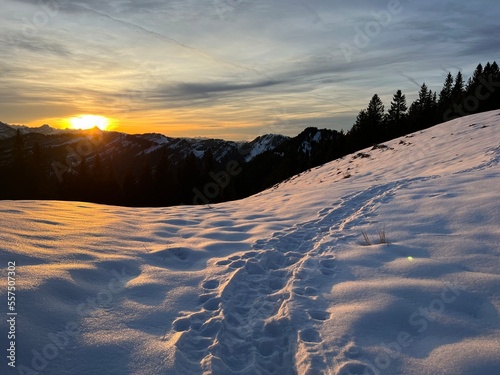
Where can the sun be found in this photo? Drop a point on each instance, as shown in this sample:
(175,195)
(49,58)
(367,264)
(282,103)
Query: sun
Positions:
(85,122)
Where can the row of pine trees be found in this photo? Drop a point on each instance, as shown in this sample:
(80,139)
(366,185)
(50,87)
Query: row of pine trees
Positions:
(457,98)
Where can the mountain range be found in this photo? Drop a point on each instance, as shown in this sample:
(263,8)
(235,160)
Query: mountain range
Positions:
(181,146)
(150,169)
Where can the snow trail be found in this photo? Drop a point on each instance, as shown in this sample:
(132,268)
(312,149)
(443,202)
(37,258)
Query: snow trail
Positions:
(263,311)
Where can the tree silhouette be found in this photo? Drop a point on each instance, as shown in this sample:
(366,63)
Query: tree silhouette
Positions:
(423,110)
(397,114)
(368,128)
(458,91)
(445,96)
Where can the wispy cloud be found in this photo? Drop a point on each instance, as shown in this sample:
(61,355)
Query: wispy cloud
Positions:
(217,65)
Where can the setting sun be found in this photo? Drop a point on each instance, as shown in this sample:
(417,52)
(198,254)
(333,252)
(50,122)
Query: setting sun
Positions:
(88,122)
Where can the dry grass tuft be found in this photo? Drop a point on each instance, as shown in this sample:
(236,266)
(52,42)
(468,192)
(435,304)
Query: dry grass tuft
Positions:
(382,237)
(366,239)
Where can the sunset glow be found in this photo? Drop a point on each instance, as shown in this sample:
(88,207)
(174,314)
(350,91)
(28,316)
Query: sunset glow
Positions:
(243,69)
(84,122)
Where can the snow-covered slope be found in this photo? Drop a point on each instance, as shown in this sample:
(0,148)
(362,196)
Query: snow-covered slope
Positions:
(283,282)
(261,144)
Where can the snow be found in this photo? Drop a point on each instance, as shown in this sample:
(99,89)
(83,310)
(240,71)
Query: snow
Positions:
(305,148)
(198,153)
(159,139)
(317,137)
(261,144)
(7,131)
(281,282)
(44,129)
(151,149)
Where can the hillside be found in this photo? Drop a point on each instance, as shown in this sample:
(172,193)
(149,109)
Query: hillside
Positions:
(282,282)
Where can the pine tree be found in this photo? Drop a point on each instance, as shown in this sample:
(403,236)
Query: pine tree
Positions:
(446,92)
(376,124)
(473,85)
(422,111)
(375,112)
(458,91)
(369,125)
(398,107)
(495,70)
(397,114)
(359,124)
(491,75)
(477,75)
(487,69)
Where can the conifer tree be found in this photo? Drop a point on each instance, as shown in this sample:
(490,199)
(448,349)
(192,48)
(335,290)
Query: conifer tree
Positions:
(397,114)
(422,111)
(458,91)
(446,92)
(375,111)
(487,69)
(495,70)
(369,125)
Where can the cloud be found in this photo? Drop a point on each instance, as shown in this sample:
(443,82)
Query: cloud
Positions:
(193,90)
(217,62)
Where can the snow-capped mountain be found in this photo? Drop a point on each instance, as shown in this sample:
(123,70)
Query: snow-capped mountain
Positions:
(221,149)
(261,145)
(383,262)
(124,169)
(44,129)
(182,147)
(9,130)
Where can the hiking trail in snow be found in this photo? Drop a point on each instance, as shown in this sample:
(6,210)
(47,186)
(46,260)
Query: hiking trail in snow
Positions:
(263,310)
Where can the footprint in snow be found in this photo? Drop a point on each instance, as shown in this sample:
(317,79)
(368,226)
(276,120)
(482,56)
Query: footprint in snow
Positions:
(211,284)
(356,368)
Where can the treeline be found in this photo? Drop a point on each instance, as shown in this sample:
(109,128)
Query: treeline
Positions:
(107,175)
(164,179)
(457,98)
(374,125)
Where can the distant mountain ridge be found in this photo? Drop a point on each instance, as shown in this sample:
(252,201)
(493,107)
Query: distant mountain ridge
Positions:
(6,131)
(117,168)
(181,146)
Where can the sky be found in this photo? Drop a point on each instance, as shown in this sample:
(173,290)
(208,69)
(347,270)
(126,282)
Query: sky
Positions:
(231,69)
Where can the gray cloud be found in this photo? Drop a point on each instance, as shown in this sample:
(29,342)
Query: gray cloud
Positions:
(192,90)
